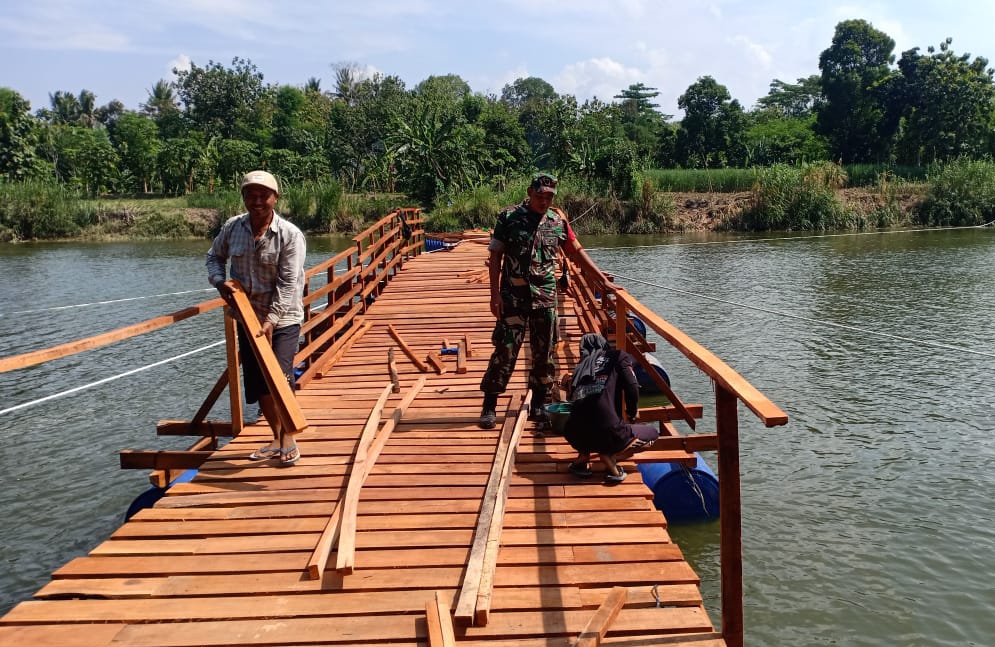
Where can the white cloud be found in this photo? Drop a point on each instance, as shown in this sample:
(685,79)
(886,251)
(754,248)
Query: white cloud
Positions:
(756,51)
(600,77)
(181,63)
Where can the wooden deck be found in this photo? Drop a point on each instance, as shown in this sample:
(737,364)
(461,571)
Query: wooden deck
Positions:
(223,560)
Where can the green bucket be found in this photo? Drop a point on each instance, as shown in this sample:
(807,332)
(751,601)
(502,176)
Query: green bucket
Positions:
(558,414)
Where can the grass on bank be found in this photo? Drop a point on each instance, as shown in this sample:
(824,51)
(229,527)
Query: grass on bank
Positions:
(806,197)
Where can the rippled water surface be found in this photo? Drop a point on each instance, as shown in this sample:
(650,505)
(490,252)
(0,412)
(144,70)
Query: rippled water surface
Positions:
(868,519)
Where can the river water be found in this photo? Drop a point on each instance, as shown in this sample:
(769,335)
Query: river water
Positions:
(868,519)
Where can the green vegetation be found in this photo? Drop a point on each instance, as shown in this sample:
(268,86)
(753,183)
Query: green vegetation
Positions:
(347,154)
(789,198)
(962,194)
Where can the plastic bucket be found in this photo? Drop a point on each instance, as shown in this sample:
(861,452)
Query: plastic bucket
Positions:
(558,414)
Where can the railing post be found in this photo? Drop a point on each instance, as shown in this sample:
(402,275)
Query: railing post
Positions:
(620,320)
(234,386)
(730,516)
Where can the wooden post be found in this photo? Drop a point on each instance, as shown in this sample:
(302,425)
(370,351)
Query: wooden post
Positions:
(466,343)
(620,320)
(461,357)
(392,371)
(234,386)
(730,516)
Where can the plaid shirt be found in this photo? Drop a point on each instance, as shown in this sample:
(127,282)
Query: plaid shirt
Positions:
(270,269)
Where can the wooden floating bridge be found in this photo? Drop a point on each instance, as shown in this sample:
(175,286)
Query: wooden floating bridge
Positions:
(403,523)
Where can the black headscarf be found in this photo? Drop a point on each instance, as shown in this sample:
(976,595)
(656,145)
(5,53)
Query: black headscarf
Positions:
(592,348)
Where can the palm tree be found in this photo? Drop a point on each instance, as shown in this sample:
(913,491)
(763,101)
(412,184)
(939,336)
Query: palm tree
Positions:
(161,99)
(87,108)
(313,85)
(348,78)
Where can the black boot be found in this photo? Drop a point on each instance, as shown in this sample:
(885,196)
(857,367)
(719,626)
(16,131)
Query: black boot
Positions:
(488,413)
(537,410)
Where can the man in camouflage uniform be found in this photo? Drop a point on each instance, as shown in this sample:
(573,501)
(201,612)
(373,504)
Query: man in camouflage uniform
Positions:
(522,276)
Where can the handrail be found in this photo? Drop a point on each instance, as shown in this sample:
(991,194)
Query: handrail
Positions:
(71,348)
(609,306)
(344,291)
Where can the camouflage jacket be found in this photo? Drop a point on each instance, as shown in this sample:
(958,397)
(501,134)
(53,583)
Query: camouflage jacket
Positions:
(529,243)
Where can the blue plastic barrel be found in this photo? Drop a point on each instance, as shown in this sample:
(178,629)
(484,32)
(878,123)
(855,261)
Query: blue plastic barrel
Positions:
(683,493)
(148,498)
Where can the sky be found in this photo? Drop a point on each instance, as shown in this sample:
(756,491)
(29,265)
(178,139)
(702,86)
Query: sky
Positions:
(118,49)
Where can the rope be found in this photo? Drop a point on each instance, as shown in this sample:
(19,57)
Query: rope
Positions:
(101,303)
(788,315)
(53,396)
(771,240)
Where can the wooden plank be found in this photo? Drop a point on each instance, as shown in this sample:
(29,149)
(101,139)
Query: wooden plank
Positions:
(597,627)
(461,357)
(440,623)
(466,602)
(350,502)
(436,362)
(407,349)
(485,589)
(290,412)
(347,540)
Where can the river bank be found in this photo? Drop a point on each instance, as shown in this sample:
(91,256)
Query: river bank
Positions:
(116,219)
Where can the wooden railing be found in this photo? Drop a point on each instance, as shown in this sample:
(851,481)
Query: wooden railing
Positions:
(605,309)
(351,280)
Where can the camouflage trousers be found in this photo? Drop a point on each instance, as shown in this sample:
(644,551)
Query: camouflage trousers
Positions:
(508,336)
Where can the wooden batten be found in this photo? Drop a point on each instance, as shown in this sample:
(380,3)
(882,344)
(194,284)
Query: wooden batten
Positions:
(186,428)
(595,631)
(436,362)
(135,459)
(407,349)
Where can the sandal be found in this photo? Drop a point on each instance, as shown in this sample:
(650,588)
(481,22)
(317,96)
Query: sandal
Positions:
(613,479)
(264,453)
(290,456)
(580,470)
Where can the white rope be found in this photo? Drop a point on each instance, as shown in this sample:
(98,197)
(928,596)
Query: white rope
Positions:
(815,321)
(107,379)
(775,240)
(102,303)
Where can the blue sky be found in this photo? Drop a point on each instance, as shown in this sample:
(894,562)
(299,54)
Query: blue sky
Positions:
(119,48)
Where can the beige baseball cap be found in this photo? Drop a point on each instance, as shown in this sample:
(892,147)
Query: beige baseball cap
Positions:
(262,178)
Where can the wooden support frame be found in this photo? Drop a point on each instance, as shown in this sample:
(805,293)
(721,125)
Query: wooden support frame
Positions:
(184,428)
(163,459)
(231,374)
(286,404)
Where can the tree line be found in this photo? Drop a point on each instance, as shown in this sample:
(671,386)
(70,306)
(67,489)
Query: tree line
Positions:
(202,130)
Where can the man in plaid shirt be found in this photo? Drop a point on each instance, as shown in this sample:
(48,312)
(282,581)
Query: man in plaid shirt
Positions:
(267,258)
